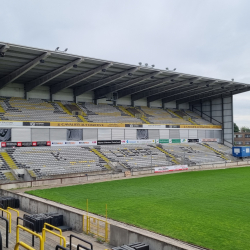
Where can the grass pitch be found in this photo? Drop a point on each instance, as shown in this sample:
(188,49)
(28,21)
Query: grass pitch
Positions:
(207,208)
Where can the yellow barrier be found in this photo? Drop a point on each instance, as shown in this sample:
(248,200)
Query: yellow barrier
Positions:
(8,218)
(56,228)
(31,232)
(96,226)
(10,208)
(49,231)
(22,244)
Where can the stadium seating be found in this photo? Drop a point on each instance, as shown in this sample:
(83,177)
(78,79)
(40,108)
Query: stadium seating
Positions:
(104,113)
(19,109)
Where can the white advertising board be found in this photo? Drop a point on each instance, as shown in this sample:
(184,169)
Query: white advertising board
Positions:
(171,168)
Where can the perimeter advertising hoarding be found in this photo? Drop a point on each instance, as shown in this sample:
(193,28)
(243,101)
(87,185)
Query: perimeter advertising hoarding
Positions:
(171,168)
(26,144)
(72,143)
(92,124)
(108,142)
(138,141)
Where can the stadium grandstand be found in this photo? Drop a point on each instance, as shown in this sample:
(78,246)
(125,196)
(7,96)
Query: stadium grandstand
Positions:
(64,115)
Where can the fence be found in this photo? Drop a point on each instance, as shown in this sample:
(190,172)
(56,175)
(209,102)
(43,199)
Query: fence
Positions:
(97,227)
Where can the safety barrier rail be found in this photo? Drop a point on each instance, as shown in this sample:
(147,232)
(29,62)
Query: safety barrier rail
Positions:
(10,208)
(22,244)
(60,247)
(73,236)
(96,226)
(78,247)
(19,243)
(8,218)
(6,228)
(33,228)
(49,231)
(56,228)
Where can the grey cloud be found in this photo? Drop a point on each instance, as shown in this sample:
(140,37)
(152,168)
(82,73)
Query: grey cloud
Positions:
(208,37)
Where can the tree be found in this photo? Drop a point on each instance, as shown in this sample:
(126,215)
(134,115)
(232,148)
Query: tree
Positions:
(236,128)
(245,129)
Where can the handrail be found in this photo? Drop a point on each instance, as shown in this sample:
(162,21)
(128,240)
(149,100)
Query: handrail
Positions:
(22,244)
(74,236)
(31,232)
(60,247)
(10,208)
(79,245)
(8,217)
(7,233)
(206,115)
(49,231)
(56,228)
(33,228)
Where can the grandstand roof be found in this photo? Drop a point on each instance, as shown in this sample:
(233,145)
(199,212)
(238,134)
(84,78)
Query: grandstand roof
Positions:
(35,67)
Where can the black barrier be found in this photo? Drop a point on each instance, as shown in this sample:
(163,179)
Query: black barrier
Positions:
(60,247)
(73,236)
(33,228)
(36,123)
(78,247)
(7,230)
(6,202)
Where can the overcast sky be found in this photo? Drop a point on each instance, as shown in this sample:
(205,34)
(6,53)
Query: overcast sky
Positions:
(204,37)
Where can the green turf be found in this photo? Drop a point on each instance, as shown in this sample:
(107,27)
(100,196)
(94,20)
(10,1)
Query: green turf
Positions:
(207,208)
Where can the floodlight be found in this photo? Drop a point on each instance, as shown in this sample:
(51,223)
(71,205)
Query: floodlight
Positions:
(146,64)
(57,48)
(140,63)
(65,49)
(103,70)
(152,66)
(2,54)
(166,68)
(174,69)
(42,61)
(130,74)
(75,65)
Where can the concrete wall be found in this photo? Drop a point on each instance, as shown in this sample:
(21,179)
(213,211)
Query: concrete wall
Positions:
(33,206)
(120,235)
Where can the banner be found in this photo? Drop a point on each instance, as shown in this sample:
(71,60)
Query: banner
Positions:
(25,144)
(72,143)
(9,123)
(171,168)
(82,124)
(36,124)
(108,142)
(209,139)
(193,140)
(138,141)
(133,125)
(172,126)
(201,126)
(176,140)
(153,126)
(5,134)
(163,141)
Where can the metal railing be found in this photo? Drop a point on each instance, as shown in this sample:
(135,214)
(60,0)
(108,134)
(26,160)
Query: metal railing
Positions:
(24,245)
(206,117)
(73,236)
(96,227)
(56,228)
(49,231)
(31,232)
(33,228)
(8,218)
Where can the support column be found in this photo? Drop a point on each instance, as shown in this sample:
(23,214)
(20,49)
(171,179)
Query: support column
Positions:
(222,114)
(232,113)
(132,103)
(148,104)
